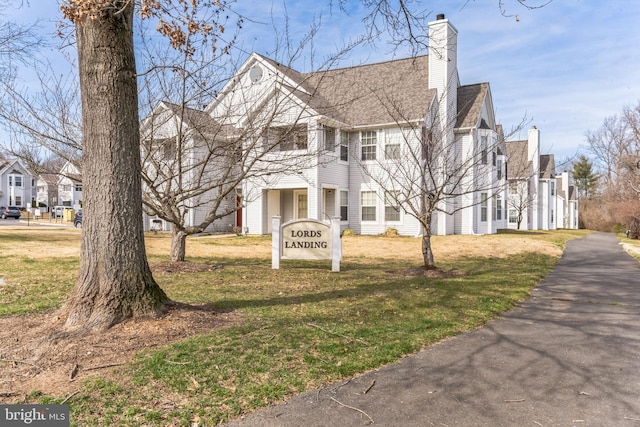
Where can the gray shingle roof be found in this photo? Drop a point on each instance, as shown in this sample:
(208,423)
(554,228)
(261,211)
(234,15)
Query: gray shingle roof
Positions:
(560,190)
(372,94)
(381,93)
(470,100)
(200,121)
(518,164)
(547,166)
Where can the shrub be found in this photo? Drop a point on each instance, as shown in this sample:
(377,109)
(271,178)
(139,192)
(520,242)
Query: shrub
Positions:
(391,232)
(618,228)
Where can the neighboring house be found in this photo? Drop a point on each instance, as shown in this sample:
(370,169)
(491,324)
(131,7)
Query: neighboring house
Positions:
(349,118)
(532,186)
(181,142)
(69,186)
(567,202)
(16,183)
(47,191)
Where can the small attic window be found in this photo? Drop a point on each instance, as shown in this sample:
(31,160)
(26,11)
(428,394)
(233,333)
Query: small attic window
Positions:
(255,73)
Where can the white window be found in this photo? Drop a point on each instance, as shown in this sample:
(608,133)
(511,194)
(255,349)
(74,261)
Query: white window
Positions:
(513,216)
(369,142)
(329,138)
(15,180)
(78,186)
(392,149)
(344,205)
(499,166)
(483,148)
(499,208)
(391,206)
(18,200)
(287,138)
(553,190)
(368,205)
(483,207)
(344,146)
(168,148)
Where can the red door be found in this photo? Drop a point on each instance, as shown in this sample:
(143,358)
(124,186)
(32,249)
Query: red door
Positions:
(239,211)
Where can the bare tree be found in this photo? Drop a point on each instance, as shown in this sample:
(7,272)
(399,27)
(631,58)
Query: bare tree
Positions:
(520,199)
(115,281)
(195,159)
(46,124)
(615,149)
(427,173)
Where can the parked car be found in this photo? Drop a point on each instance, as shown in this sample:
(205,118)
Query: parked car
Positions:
(77,219)
(10,212)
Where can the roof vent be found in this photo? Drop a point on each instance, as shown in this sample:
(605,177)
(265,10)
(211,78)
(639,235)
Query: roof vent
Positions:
(439,16)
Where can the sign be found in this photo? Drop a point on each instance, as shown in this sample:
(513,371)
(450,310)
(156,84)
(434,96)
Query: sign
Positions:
(306,239)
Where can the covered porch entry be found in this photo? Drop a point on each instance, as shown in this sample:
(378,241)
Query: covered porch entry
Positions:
(298,203)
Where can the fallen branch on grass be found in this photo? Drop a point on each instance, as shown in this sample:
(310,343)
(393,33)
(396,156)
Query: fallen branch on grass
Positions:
(69,397)
(22,361)
(110,365)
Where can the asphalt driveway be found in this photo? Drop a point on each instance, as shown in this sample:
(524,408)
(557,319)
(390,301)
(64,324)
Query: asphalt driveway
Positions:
(568,356)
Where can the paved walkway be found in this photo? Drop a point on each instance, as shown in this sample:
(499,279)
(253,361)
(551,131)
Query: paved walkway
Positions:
(568,356)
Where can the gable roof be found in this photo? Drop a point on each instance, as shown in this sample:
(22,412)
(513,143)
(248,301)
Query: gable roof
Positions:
(470,100)
(547,166)
(196,120)
(364,95)
(519,166)
(7,165)
(51,179)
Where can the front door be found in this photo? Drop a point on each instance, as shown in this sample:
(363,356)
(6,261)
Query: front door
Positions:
(300,208)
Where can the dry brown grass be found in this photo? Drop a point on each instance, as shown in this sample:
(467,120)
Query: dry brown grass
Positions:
(47,243)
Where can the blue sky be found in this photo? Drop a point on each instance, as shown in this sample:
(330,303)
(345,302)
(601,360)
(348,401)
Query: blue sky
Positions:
(566,66)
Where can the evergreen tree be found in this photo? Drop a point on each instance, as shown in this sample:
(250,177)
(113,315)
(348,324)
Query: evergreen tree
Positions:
(586,180)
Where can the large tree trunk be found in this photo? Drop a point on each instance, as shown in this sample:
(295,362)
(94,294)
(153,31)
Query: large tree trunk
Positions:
(115,281)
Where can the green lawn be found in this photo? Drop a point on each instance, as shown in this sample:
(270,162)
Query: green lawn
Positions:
(301,326)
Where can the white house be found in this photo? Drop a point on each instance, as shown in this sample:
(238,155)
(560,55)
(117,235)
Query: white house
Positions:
(536,195)
(47,190)
(70,186)
(183,156)
(16,183)
(331,135)
(567,202)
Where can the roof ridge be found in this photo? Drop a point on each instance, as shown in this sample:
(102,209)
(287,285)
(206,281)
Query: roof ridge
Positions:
(372,64)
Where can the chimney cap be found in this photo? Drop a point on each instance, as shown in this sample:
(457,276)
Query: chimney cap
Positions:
(440,16)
